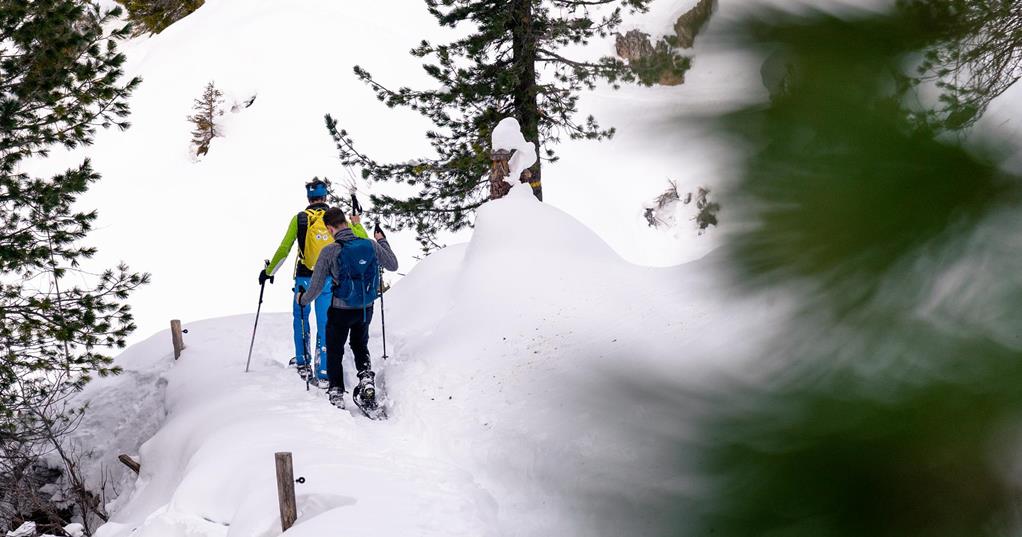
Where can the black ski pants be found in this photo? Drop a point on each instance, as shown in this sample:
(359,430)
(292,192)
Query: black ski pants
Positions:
(343,326)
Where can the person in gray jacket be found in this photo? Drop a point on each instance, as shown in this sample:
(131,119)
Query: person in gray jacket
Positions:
(345,322)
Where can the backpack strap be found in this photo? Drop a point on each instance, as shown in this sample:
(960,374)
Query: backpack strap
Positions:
(340,266)
(303,230)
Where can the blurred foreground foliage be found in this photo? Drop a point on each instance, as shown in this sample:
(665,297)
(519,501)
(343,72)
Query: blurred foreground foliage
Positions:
(891,405)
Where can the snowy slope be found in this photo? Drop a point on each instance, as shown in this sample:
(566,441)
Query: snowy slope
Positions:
(506,419)
(203,227)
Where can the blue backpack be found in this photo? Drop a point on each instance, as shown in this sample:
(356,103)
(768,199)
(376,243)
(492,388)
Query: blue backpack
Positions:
(359,274)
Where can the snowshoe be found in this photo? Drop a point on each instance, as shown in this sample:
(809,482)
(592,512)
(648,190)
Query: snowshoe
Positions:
(336,397)
(365,397)
(367,385)
(321,383)
(304,372)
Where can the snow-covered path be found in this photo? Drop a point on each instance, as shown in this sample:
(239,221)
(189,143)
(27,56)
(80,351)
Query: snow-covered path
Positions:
(213,457)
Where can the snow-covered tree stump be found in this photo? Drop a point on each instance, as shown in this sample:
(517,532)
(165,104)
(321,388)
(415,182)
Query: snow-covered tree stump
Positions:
(511,156)
(499,187)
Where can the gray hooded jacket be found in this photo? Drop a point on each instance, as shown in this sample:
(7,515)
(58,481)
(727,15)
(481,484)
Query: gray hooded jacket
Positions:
(326,266)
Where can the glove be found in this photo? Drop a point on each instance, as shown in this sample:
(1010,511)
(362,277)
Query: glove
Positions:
(378,232)
(263,276)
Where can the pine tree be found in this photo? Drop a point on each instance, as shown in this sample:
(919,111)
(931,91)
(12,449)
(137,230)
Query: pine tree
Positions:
(513,64)
(207,108)
(60,74)
(888,402)
(974,55)
(154,16)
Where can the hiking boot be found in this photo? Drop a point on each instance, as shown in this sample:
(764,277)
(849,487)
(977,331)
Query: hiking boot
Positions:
(322,383)
(304,371)
(336,397)
(293,362)
(367,386)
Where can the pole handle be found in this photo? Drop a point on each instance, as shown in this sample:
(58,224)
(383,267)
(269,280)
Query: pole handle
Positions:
(262,285)
(356,207)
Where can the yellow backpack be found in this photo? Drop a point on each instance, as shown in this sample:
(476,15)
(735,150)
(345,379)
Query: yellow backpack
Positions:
(313,236)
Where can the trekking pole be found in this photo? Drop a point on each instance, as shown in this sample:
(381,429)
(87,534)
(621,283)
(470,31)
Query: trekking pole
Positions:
(383,317)
(383,309)
(356,207)
(262,287)
(305,342)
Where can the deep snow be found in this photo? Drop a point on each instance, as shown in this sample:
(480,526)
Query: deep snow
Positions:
(501,385)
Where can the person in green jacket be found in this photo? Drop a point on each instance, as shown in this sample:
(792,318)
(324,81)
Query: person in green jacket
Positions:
(307,229)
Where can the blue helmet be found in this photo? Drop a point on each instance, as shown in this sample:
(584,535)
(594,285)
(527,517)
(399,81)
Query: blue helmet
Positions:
(316,188)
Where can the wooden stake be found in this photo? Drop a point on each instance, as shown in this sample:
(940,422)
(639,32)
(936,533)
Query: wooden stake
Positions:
(130,463)
(286,490)
(177,338)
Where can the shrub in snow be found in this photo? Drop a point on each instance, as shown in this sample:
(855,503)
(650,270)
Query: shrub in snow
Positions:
(707,215)
(154,16)
(239,105)
(208,109)
(662,211)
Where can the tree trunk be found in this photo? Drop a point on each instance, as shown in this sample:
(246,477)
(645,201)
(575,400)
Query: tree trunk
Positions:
(523,46)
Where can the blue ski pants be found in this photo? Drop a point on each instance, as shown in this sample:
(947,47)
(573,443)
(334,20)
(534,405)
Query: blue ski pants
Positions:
(301,318)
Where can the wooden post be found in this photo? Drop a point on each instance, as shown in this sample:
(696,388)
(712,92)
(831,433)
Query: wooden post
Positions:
(177,338)
(130,463)
(286,490)
(498,171)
